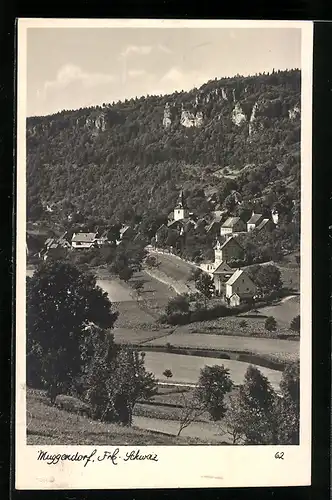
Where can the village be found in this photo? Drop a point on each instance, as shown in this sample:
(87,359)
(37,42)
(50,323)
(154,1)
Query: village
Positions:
(232,330)
(232,285)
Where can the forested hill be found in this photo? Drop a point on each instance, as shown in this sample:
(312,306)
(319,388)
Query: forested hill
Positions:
(239,134)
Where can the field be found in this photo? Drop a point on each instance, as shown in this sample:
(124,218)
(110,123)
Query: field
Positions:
(277,349)
(254,324)
(54,426)
(186,369)
(173,267)
(284,312)
(137,312)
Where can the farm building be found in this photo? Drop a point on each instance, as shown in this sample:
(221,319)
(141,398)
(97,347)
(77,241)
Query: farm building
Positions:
(239,287)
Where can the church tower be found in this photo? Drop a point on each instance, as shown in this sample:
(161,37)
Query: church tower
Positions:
(181,210)
(217,253)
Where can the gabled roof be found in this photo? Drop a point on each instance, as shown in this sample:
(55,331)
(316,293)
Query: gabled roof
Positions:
(175,222)
(211,225)
(221,268)
(123,230)
(84,237)
(231,239)
(161,227)
(254,218)
(235,277)
(230,222)
(262,224)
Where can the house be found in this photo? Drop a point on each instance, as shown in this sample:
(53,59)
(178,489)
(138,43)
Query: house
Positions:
(213,228)
(265,224)
(232,225)
(229,250)
(161,231)
(208,267)
(239,288)
(102,239)
(83,240)
(275,216)
(218,215)
(253,222)
(55,248)
(221,275)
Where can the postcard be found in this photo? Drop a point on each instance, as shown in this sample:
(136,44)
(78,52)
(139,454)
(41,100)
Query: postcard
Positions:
(163,265)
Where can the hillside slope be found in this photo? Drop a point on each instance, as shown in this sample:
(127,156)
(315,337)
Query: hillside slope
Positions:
(238,134)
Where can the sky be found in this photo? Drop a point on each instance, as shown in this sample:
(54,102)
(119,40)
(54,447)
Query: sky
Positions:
(71,68)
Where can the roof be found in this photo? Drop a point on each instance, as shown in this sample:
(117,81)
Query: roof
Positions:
(218,214)
(210,226)
(161,227)
(123,230)
(230,222)
(84,237)
(262,224)
(235,277)
(218,269)
(254,218)
(228,241)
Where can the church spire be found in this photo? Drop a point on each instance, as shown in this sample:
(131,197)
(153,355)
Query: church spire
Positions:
(181,200)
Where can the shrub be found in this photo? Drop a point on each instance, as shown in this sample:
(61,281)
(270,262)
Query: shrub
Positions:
(295,324)
(270,324)
(243,323)
(169,347)
(168,373)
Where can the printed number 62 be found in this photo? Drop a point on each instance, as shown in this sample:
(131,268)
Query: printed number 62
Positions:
(279,455)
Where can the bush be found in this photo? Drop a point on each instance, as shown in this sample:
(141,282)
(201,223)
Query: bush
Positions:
(270,324)
(243,324)
(295,324)
(168,373)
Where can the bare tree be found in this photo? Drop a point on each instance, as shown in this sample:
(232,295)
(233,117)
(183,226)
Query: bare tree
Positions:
(232,423)
(193,408)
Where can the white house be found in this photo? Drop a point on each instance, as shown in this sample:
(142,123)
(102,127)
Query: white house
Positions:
(239,287)
(232,225)
(253,222)
(83,240)
(221,274)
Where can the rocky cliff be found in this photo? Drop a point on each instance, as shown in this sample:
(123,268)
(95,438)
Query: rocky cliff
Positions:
(98,157)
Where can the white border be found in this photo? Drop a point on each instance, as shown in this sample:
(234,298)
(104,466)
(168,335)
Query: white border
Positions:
(183,466)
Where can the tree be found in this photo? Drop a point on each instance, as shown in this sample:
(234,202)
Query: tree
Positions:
(295,324)
(205,285)
(270,324)
(168,373)
(243,323)
(232,423)
(138,286)
(192,409)
(288,406)
(179,303)
(256,408)
(213,384)
(125,273)
(268,279)
(151,261)
(113,234)
(61,303)
(115,388)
